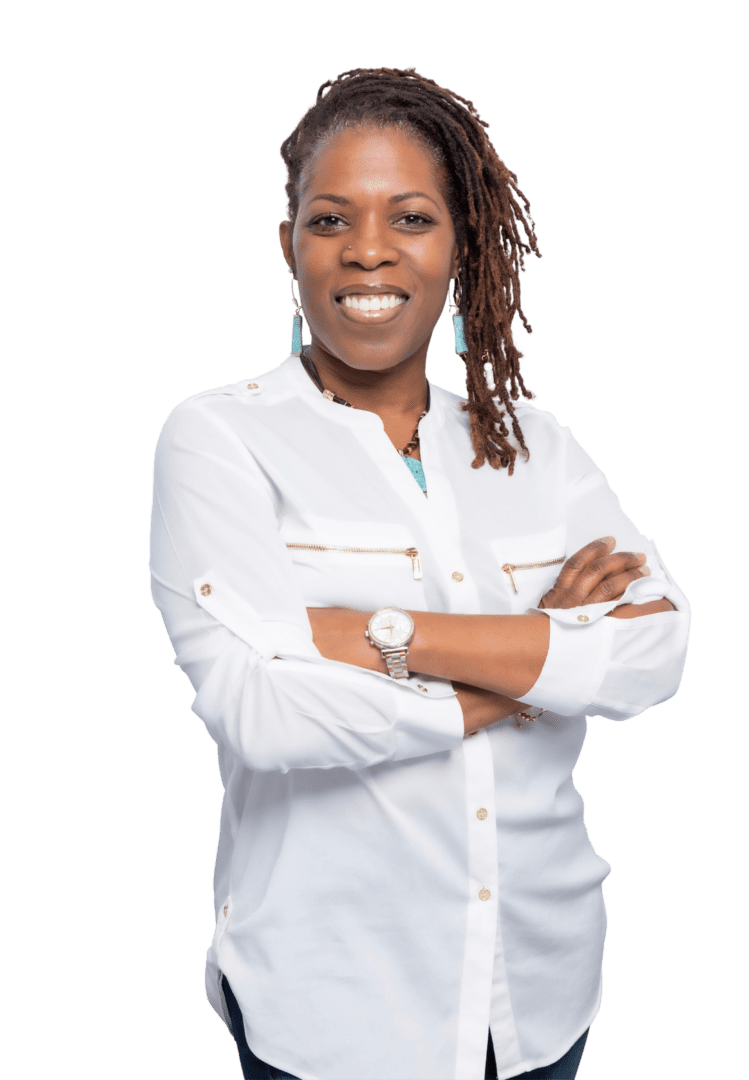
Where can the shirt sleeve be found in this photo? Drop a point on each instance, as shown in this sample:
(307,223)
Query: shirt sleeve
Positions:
(224,583)
(606,666)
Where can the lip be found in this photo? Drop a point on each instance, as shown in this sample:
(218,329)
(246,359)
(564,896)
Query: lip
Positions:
(371,318)
(364,289)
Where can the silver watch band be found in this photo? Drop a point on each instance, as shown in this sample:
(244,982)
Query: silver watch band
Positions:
(396,662)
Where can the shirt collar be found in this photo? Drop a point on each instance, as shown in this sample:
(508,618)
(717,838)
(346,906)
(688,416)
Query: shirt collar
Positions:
(301,384)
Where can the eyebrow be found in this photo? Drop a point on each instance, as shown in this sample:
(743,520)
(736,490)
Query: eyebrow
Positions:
(341,200)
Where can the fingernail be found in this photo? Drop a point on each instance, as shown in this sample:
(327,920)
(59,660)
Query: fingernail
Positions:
(645,571)
(641,555)
(608,540)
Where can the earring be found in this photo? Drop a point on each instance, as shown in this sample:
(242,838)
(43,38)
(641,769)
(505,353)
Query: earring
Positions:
(459,328)
(296,331)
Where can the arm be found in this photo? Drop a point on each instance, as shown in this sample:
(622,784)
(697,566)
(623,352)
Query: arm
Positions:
(224,582)
(565,655)
(502,654)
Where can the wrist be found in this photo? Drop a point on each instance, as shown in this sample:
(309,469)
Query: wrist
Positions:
(390,630)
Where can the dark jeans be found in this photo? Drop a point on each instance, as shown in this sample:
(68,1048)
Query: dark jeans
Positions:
(255,1069)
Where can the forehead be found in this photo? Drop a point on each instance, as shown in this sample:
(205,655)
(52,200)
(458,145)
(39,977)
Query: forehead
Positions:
(364,162)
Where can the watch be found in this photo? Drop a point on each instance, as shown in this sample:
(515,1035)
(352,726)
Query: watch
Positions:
(390,629)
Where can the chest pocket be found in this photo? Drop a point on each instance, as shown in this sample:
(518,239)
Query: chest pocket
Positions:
(356,564)
(528,566)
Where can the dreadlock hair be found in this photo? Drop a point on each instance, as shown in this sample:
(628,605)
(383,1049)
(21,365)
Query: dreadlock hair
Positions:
(487,210)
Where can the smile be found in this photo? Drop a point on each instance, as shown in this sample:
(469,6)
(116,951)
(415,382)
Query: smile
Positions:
(372,303)
(376,308)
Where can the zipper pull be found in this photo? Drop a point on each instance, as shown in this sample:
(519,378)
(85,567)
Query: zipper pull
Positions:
(413,555)
(508,568)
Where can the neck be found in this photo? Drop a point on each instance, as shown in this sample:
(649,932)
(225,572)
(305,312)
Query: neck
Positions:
(395,392)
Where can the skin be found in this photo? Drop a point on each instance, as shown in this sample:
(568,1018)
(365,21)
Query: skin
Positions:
(369,234)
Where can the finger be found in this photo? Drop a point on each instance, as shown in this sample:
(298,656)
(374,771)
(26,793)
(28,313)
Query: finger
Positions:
(613,588)
(635,611)
(576,563)
(608,566)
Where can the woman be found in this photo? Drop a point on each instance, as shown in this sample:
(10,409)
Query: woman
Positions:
(396,662)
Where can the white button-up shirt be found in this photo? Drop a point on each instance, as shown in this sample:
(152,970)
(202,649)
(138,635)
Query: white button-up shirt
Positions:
(386,889)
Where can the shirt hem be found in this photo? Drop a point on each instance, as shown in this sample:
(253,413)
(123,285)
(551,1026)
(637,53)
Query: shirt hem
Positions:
(541,1063)
(502,1074)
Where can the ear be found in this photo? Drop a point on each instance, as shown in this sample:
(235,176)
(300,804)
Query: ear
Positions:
(457,260)
(285,233)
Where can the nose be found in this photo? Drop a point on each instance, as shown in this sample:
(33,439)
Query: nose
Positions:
(370,245)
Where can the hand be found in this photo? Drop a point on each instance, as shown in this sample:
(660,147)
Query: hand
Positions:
(483,707)
(593,575)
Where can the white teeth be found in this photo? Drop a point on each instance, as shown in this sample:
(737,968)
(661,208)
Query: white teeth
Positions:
(373,303)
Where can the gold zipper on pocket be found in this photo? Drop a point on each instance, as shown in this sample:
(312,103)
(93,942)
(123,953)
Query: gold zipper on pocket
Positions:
(509,567)
(411,552)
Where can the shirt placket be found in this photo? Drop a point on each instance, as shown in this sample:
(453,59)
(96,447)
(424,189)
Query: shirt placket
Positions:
(481,910)
(479,983)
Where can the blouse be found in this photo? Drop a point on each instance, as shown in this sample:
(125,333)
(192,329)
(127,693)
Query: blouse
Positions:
(387,889)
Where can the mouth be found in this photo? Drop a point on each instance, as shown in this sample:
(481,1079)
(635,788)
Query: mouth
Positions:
(371,307)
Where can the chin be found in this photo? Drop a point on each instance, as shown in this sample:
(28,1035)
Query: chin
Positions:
(369,356)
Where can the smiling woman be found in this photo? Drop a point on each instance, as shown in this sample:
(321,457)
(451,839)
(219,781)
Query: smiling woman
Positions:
(398,673)
(382,241)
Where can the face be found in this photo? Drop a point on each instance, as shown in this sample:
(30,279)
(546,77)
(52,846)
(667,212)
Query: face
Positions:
(373,248)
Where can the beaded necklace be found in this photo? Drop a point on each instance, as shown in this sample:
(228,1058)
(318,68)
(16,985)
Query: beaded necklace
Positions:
(311,369)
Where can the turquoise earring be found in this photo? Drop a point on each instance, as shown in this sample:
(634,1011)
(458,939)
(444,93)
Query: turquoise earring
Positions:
(459,326)
(296,330)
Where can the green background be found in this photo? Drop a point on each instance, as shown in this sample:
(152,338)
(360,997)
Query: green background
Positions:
(143,194)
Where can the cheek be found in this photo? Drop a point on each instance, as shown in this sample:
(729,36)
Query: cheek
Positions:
(315,269)
(435,281)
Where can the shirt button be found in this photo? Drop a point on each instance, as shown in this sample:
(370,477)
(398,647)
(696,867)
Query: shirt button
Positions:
(481,814)
(252,386)
(422,688)
(583,618)
(226,909)
(205,590)
(457,576)
(484,894)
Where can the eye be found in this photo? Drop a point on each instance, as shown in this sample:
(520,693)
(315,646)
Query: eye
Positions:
(326,222)
(415,220)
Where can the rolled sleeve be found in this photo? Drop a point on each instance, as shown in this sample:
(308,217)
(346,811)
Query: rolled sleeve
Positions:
(607,666)
(223,581)
(579,651)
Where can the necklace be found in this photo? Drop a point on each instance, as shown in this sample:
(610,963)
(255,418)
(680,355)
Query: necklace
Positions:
(311,368)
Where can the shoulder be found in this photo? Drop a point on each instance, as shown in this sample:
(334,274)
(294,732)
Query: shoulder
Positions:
(541,429)
(221,401)
(539,423)
(253,388)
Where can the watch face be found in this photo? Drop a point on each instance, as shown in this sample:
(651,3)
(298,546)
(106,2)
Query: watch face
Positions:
(391,627)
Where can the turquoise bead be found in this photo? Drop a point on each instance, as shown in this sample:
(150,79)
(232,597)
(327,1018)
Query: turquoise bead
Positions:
(460,335)
(296,336)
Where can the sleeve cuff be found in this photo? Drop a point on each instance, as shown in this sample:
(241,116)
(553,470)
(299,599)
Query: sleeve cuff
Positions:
(429,718)
(580,643)
(579,648)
